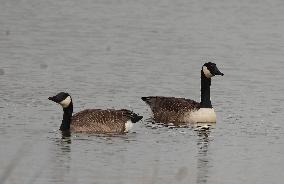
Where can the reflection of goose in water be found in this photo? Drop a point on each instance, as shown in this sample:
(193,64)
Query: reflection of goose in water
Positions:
(94,120)
(203,160)
(202,127)
(181,110)
(59,161)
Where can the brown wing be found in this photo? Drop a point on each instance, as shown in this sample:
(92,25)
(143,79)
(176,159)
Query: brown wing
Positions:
(170,109)
(100,121)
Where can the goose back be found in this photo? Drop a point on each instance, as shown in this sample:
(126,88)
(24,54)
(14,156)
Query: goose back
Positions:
(101,121)
(170,109)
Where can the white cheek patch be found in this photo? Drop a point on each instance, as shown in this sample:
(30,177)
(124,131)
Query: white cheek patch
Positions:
(65,103)
(128,126)
(206,72)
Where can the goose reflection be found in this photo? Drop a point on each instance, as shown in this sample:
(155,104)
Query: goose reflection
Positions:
(203,159)
(60,158)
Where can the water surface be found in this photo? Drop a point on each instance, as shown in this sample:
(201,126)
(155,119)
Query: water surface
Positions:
(109,54)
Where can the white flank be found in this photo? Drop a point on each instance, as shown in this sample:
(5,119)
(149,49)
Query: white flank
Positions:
(206,72)
(128,125)
(202,115)
(65,103)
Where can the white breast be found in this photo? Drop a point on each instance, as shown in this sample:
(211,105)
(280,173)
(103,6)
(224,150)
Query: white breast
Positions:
(202,115)
(128,125)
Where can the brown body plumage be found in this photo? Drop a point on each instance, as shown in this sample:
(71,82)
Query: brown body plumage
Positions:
(181,110)
(94,120)
(170,109)
(100,121)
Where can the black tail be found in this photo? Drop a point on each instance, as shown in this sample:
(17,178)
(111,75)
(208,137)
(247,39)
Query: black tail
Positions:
(146,99)
(135,118)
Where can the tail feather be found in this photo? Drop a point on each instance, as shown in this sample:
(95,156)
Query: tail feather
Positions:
(131,115)
(146,99)
(135,118)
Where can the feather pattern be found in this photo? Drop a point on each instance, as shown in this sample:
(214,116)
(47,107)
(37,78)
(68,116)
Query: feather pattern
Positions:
(181,110)
(101,121)
(94,120)
(170,109)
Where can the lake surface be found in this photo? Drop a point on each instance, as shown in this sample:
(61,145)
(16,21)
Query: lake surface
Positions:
(107,54)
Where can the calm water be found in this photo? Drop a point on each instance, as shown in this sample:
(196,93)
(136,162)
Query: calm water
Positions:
(109,54)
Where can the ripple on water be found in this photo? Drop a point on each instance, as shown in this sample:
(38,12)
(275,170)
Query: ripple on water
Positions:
(43,66)
(182,127)
(2,72)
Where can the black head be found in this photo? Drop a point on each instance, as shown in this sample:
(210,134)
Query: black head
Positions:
(62,98)
(210,69)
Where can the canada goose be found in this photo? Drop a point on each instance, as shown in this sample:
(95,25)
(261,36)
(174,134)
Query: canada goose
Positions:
(181,110)
(94,120)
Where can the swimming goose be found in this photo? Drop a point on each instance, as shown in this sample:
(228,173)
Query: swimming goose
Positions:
(94,120)
(181,110)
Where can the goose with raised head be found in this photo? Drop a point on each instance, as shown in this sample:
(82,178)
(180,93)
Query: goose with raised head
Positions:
(181,110)
(94,120)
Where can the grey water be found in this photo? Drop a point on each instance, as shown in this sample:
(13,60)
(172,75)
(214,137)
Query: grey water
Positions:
(107,54)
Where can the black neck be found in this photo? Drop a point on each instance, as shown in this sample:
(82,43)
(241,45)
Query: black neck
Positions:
(205,91)
(67,115)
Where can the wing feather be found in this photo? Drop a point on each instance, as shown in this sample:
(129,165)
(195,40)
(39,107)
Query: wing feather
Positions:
(170,109)
(100,121)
